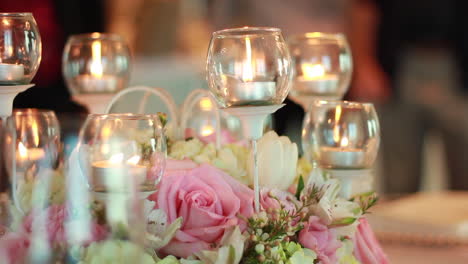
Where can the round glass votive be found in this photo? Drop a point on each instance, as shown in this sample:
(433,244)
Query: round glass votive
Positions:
(96,63)
(32,146)
(341,135)
(122,153)
(20,48)
(249,67)
(322,66)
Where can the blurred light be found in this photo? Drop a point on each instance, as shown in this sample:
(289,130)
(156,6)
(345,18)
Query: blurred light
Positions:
(312,71)
(22,151)
(96,64)
(206,104)
(336,128)
(247,72)
(134,160)
(35,133)
(116,158)
(207,130)
(344,142)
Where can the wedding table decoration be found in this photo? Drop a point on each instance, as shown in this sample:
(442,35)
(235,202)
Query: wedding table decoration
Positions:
(132,193)
(20,56)
(95,67)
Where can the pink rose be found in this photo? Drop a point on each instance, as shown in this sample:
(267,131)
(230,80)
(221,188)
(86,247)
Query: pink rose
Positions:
(13,248)
(208,200)
(53,220)
(366,247)
(322,240)
(268,201)
(226,136)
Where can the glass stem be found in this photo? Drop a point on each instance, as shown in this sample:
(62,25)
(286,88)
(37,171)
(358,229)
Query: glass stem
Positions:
(255,175)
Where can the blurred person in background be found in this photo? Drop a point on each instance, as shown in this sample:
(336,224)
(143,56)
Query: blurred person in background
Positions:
(411,58)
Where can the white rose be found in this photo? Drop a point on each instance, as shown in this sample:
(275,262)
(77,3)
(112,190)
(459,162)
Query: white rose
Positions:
(277,161)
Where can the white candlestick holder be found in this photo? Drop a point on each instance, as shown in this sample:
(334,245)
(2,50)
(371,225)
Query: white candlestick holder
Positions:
(96,103)
(253,119)
(349,180)
(7,96)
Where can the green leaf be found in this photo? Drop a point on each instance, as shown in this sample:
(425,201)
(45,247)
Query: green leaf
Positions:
(300,187)
(342,222)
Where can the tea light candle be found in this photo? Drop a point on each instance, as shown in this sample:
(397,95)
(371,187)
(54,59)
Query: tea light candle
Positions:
(339,157)
(249,91)
(24,154)
(93,84)
(315,81)
(108,174)
(11,72)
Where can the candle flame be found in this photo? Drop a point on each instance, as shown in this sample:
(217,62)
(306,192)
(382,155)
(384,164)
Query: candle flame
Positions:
(344,142)
(312,71)
(96,64)
(116,158)
(247,71)
(35,133)
(207,130)
(206,104)
(22,151)
(336,128)
(134,160)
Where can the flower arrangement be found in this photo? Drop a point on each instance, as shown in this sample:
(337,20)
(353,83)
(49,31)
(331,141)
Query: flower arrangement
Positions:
(203,212)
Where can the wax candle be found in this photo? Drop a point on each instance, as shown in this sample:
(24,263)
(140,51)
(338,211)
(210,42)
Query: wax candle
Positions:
(244,92)
(24,154)
(342,158)
(115,176)
(316,81)
(11,72)
(96,84)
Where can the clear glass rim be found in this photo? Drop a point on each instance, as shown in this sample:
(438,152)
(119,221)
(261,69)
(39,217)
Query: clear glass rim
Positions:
(347,104)
(317,35)
(13,15)
(96,36)
(123,116)
(246,31)
(33,111)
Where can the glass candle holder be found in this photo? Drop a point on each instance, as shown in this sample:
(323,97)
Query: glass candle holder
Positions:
(341,135)
(32,146)
(248,67)
(322,66)
(122,153)
(20,48)
(96,63)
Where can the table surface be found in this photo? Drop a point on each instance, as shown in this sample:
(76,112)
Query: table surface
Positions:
(404,254)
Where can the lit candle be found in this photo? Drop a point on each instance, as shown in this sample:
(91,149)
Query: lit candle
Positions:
(11,72)
(342,158)
(24,154)
(112,174)
(97,81)
(315,81)
(246,92)
(92,83)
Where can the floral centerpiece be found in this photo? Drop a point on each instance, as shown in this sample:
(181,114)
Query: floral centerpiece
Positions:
(203,212)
